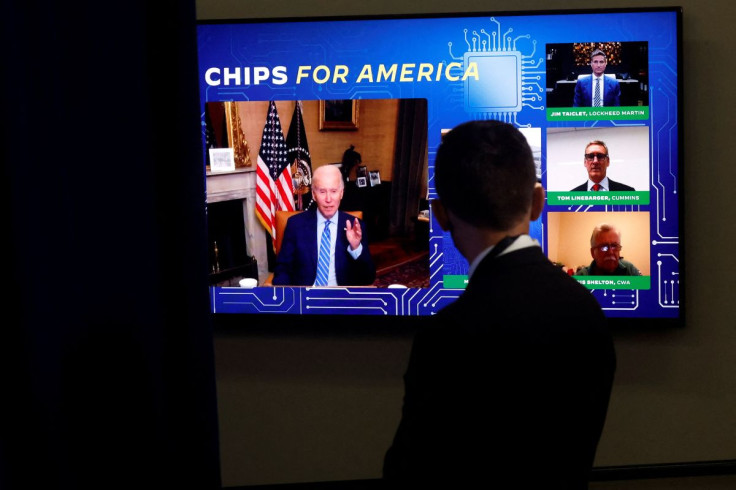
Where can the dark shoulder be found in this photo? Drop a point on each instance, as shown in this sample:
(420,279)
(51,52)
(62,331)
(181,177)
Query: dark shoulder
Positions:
(344,216)
(618,186)
(303,217)
(525,285)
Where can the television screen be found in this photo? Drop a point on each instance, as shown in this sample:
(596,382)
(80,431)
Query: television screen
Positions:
(373,96)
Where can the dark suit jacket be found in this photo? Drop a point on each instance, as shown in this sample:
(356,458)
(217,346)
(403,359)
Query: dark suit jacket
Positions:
(507,387)
(296,264)
(612,184)
(584,92)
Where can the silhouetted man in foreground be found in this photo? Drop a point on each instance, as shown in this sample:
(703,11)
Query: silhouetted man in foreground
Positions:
(508,386)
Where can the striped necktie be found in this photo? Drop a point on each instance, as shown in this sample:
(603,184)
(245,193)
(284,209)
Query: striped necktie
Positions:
(597,95)
(323,261)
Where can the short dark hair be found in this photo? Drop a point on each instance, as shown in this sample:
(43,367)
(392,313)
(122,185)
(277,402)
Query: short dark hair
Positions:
(598,52)
(484,173)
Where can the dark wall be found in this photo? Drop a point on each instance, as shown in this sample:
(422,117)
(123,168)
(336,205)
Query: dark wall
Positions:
(106,329)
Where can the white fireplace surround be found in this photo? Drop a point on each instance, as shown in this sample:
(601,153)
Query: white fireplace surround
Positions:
(241,185)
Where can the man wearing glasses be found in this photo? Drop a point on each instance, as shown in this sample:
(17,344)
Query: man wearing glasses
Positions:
(596,161)
(605,248)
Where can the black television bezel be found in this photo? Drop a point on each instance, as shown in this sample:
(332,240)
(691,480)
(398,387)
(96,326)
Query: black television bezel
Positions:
(360,324)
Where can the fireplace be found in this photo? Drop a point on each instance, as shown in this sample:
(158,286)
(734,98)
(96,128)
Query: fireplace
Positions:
(228,251)
(231,222)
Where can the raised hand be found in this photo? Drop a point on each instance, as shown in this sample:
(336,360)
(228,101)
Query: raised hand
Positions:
(354,233)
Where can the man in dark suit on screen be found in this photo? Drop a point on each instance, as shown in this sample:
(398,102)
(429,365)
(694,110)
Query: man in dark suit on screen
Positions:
(343,245)
(508,386)
(596,161)
(597,89)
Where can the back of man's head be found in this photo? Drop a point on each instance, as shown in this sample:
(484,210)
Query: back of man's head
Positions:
(484,173)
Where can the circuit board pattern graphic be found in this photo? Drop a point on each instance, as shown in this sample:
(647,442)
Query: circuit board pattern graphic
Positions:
(508,78)
(337,300)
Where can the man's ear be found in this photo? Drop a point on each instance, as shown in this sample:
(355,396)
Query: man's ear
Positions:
(440,214)
(537,202)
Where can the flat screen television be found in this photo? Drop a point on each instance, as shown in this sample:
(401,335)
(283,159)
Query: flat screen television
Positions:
(374,95)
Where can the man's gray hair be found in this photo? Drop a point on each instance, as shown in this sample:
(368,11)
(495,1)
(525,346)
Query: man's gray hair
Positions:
(602,228)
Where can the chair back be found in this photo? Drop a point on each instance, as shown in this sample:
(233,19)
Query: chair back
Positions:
(281,218)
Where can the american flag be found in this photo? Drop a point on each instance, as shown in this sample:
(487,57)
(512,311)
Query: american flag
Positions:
(274,188)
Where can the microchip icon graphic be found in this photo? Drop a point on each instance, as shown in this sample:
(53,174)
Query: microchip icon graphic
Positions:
(498,87)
